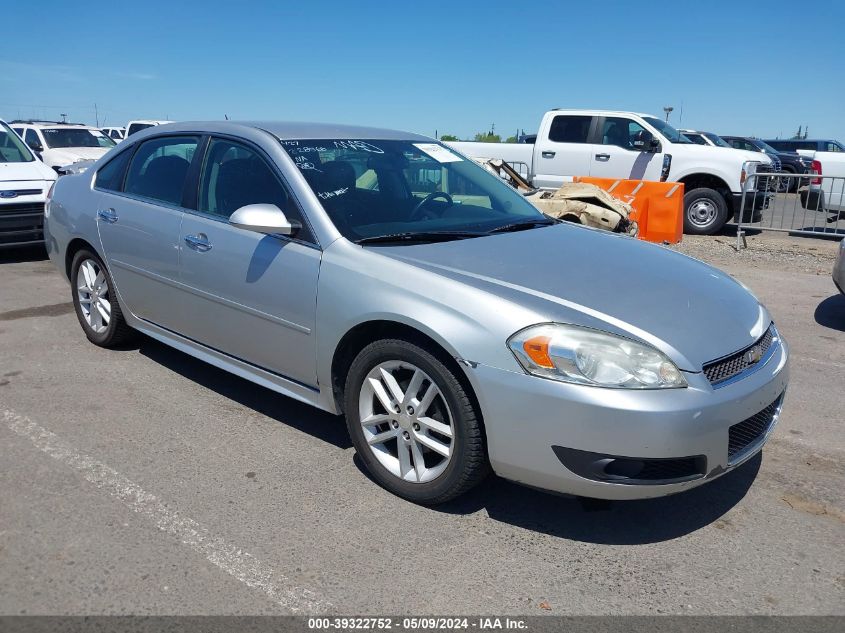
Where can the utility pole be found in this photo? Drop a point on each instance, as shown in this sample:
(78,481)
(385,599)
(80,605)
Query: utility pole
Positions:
(96,116)
(668,111)
(64,117)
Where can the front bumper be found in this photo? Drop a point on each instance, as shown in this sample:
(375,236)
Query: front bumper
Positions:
(21,223)
(755,201)
(535,425)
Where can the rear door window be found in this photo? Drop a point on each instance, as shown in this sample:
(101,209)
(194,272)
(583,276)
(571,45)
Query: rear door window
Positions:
(570,129)
(160,167)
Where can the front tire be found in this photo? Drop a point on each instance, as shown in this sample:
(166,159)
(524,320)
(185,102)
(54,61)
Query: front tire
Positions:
(95,301)
(705,211)
(413,424)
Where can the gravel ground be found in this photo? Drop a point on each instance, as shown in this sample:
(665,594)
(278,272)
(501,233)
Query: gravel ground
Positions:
(764,251)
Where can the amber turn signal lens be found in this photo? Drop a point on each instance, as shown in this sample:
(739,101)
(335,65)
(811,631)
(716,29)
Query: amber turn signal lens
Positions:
(537,349)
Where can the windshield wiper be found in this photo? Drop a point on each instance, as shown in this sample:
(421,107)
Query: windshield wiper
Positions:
(522,225)
(419,236)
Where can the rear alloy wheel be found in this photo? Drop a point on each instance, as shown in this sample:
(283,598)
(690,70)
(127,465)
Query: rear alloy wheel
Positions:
(705,211)
(95,302)
(412,423)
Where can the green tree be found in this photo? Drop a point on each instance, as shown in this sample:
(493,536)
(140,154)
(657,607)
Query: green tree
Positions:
(448,137)
(487,137)
(510,139)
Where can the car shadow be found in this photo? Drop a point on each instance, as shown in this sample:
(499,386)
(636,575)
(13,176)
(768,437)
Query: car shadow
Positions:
(593,521)
(599,521)
(21,254)
(319,424)
(830,313)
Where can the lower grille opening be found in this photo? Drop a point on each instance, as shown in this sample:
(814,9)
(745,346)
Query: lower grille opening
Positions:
(631,470)
(753,429)
(655,469)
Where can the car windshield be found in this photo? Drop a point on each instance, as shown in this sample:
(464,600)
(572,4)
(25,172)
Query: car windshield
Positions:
(765,147)
(12,148)
(667,130)
(377,189)
(716,139)
(75,137)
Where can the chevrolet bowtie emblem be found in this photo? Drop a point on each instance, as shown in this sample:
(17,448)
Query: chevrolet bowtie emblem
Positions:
(754,355)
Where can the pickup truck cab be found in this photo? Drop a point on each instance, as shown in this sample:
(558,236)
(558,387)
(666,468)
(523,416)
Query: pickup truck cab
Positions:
(609,144)
(24,183)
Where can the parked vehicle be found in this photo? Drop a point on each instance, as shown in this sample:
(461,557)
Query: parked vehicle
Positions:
(24,182)
(381,275)
(136,126)
(705,138)
(826,194)
(839,268)
(785,162)
(806,145)
(116,134)
(607,144)
(62,144)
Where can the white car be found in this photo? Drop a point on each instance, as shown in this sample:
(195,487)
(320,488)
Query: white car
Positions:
(142,124)
(629,145)
(24,183)
(116,134)
(705,138)
(60,145)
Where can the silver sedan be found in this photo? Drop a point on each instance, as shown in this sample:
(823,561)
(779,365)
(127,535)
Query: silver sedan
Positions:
(383,276)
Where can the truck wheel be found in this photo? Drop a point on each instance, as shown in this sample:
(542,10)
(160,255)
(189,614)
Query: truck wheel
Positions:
(705,211)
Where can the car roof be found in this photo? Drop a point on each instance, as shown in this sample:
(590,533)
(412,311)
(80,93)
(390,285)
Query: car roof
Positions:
(287,130)
(70,126)
(603,112)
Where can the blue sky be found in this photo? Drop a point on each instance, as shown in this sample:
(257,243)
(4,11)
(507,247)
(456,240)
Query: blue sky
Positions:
(454,67)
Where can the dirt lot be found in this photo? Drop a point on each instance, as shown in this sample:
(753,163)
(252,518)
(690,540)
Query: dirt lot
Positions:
(144,481)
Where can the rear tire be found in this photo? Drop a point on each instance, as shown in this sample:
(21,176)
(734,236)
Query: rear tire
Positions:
(705,211)
(440,436)
(95,301)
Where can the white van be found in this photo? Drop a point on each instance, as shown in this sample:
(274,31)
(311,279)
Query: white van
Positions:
(24,183)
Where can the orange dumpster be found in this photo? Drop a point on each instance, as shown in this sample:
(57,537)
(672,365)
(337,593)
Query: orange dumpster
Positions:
(658,206)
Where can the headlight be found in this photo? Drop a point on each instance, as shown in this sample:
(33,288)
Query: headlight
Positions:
(589,357)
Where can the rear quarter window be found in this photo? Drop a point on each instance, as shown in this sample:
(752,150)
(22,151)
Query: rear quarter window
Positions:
(110,176)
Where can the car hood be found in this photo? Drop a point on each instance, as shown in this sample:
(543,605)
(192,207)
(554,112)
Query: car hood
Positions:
(742,154)
(691,311)
(73,154)
(33,170)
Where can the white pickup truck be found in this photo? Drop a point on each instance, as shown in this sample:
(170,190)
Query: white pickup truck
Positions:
(828,193)
(607,144)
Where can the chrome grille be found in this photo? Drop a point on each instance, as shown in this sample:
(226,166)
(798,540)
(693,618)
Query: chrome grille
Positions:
(726,368)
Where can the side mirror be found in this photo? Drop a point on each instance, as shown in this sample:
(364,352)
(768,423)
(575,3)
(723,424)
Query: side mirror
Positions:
(645,142)
(263,218)
(36,147)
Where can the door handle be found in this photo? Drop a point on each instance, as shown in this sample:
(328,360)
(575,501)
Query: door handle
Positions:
(198,242)
(548,154)
(107,215)
(603,157)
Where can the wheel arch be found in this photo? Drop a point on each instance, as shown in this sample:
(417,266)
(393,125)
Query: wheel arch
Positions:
(364,333)
(73,247)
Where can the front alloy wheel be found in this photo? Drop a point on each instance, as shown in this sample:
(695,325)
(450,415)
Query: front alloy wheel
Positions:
(406,421)
(413,422)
